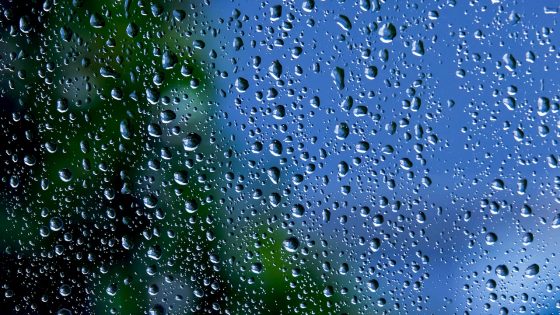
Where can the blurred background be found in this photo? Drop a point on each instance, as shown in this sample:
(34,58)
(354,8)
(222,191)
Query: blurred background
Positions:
(279,157)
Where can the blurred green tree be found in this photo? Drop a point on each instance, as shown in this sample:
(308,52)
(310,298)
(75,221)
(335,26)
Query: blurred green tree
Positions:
(109,180)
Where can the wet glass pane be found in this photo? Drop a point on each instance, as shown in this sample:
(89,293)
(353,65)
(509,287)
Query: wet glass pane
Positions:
(279,157)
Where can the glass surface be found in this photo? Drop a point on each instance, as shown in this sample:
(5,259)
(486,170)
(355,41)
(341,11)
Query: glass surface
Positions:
(279,157)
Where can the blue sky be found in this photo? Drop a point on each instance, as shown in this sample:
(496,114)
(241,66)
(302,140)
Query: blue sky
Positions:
(462,137)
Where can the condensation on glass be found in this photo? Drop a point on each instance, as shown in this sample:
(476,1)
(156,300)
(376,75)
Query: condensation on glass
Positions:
(279,157)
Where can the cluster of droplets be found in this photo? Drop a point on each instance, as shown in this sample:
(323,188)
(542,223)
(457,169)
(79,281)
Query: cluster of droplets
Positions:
(308,156)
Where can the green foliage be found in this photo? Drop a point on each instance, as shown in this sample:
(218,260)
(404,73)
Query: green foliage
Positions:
(90,83)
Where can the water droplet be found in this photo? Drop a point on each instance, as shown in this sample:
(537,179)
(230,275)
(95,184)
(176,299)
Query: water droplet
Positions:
(191,141)
(341,131)
(418,48)
(290,244)
(55,224)
(168,60)
(338,76)
(502,271)
(275,69)
(532,271)
(24,24)
(65,290)
(387,32)
(275,12)
(241,84)
(344,22)
(491,238)
(96,20)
